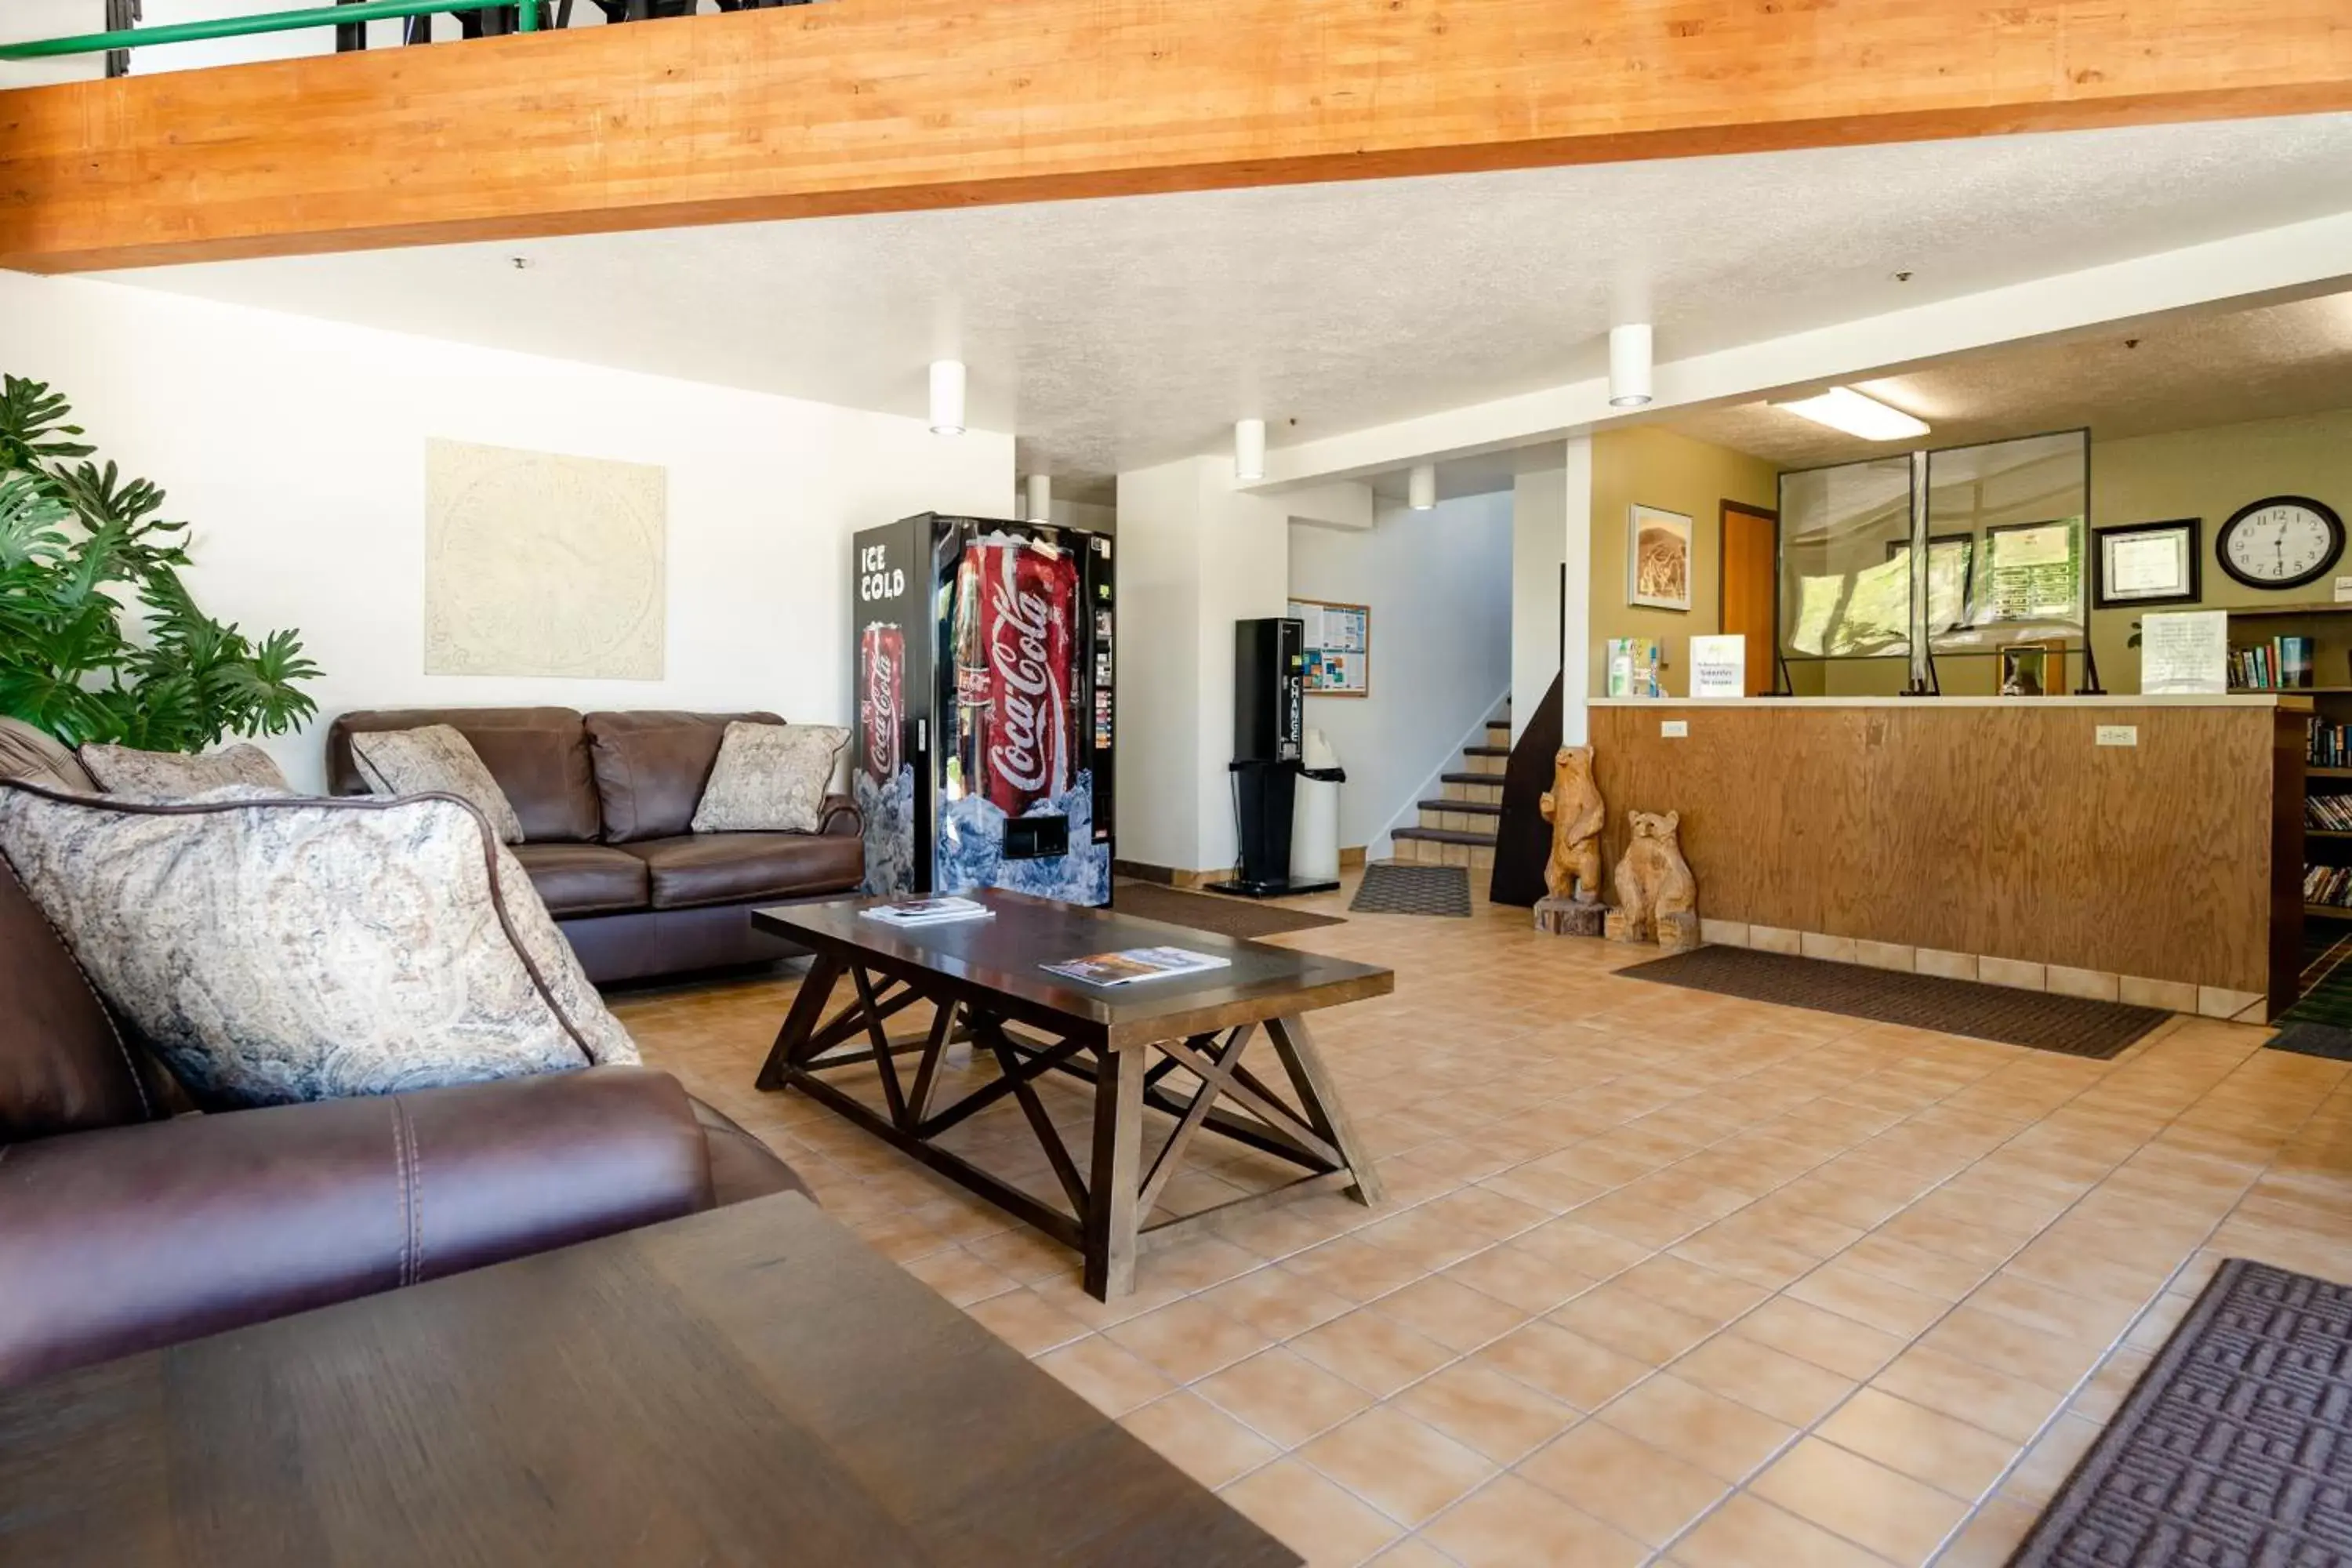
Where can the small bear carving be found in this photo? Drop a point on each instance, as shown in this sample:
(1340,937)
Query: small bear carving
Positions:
(1573,807)
(1656,899)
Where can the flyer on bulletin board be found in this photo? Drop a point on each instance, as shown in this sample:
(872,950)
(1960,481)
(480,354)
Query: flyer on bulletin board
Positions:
(1336,648)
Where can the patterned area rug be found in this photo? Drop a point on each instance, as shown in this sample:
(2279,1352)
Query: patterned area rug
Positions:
(2067,1024)
(1393,890)
(2235,1447)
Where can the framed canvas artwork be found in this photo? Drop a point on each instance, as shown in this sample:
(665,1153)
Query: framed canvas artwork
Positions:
(1658,558)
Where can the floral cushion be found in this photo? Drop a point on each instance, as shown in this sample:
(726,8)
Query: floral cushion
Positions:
(273,949)
(770,778)
(435,760)
(177,775)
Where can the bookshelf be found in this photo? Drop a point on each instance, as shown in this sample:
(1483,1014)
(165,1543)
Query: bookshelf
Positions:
(2329,627)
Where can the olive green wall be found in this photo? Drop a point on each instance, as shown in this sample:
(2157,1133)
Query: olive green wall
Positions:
(2209,474)
(1656,468)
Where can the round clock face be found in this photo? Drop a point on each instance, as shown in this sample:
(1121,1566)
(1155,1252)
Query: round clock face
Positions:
(2281,542)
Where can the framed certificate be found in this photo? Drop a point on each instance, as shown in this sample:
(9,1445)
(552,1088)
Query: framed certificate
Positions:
(2148,563)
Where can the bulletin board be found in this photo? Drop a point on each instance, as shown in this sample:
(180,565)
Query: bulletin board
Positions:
(1339,647)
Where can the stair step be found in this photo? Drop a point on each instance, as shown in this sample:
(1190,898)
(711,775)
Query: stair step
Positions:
(1471,807)
(1486,751)
(1495,780)
(1443,836)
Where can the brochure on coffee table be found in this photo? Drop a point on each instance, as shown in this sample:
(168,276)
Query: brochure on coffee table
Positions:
(928,911)
(1135,963)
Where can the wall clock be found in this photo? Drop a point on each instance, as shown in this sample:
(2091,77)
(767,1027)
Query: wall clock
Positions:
(2283,542)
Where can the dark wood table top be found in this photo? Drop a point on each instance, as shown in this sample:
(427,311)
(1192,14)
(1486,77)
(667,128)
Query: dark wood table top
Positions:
(998,960)
(750,1386)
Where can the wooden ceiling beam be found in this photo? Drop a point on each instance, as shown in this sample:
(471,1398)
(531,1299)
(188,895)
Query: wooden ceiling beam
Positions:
(878,105)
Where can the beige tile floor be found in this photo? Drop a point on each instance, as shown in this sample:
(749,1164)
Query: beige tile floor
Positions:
(1663,1277)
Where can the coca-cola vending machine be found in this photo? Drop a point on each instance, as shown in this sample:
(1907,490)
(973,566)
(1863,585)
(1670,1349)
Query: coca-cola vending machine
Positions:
(985,706)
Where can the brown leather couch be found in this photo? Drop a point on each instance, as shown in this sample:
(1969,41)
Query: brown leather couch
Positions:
(123,1226)
(605,801)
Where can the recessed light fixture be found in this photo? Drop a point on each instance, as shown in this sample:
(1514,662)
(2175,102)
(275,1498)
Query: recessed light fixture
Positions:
(1249,450)
(1629,365)
(947,397)
(1844,408)
(1421,486)
(1040,504)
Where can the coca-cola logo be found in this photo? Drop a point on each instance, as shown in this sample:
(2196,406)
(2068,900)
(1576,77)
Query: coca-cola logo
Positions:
(881,699)
(1024,750)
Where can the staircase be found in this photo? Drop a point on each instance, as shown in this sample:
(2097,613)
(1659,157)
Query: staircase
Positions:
(1458,829)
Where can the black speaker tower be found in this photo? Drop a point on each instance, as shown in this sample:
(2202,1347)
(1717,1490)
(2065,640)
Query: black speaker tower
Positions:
(1269,737)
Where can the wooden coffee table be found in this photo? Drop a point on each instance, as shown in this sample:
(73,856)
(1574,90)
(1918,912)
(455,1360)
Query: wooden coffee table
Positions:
(984,981)
(747,1386)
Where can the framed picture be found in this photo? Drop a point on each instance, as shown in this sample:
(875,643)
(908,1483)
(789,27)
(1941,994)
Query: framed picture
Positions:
(1337,647)
(1658,558)
(2033,668)
(2028,572)
(2148,563)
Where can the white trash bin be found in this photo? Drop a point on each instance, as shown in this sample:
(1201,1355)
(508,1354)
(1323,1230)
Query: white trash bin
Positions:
(1314,821)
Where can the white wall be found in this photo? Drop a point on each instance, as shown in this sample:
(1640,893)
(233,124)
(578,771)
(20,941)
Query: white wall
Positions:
(1440,584)
(297,449)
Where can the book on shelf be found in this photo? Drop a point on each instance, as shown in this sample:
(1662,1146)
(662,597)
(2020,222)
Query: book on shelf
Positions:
(2331,745)
(2282,664)
(1136,963)
(940,912)
(2329,885)
(2331,813)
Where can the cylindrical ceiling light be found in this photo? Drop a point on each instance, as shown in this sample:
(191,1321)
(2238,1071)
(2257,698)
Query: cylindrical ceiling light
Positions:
(1041,497)
(1249,450)
(947,397)
(1629,365)
(1421,486)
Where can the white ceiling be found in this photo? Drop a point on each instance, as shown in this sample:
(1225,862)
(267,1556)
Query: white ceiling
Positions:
(1112,334)
(2179,373)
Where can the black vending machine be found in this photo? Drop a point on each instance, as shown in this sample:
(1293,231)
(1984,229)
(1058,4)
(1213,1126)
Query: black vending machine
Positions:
(1269,736)
(985,705)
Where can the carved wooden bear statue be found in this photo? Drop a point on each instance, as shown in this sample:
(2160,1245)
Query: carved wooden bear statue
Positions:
(1656,898)
(1573,807)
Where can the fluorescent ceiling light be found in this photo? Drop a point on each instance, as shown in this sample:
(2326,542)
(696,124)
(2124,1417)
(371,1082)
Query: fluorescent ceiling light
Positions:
(1844,408)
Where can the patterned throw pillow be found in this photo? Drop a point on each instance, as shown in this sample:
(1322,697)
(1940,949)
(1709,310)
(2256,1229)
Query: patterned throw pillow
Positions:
(770,778)
(435,760)
(177,775)
(273,949)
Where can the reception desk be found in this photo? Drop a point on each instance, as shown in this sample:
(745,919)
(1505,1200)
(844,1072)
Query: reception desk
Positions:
(2145,848)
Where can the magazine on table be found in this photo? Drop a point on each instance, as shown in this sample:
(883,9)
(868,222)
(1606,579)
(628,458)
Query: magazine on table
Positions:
(1135,963)
(928,911)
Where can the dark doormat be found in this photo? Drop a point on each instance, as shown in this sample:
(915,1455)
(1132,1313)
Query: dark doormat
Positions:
(2233,1448)
(2313,1040)
(2069,1024)
(1213,911)
(1393,890)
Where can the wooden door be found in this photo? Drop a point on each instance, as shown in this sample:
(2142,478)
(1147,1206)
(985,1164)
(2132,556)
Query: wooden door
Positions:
(1750,575)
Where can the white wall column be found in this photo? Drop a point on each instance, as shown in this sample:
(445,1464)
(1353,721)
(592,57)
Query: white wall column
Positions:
(1196,556)
(1551,558)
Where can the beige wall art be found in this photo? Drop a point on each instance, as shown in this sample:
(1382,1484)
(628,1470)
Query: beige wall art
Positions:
(537,563)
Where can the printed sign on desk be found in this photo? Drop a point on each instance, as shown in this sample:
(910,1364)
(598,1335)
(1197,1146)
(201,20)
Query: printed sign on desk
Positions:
(1718,666)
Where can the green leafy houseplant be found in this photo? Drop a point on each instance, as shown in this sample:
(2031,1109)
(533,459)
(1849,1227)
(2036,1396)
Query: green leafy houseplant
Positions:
(82,551)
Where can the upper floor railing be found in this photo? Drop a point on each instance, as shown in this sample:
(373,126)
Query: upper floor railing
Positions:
(475,18)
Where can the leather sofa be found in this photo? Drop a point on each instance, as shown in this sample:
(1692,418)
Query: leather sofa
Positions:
(124,1225)
(604,800)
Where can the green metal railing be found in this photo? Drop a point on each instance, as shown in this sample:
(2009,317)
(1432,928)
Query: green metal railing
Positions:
(527,20)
